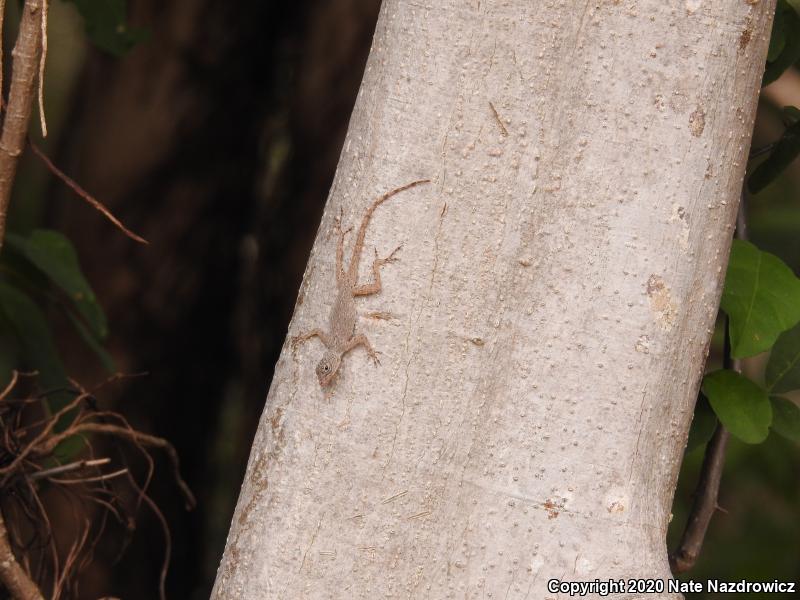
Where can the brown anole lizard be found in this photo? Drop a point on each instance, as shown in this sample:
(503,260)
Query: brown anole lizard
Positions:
(341,336)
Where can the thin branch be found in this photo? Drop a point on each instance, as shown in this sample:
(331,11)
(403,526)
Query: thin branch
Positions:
(20,99)
(756,152)
(103,477)
(51,542)
(72,557)
(12,575)
(162,580)
(28,448)
(134,436)
(707,492)
(705,503)
(42,61)
(73,466)
(42,438)
(14,374)
(73,185)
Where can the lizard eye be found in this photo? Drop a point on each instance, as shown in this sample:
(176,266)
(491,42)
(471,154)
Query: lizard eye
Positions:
(326,368)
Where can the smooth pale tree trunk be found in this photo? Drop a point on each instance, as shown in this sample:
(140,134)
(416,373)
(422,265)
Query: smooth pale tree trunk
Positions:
(544,333)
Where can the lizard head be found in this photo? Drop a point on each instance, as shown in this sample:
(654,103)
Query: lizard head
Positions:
(327,368)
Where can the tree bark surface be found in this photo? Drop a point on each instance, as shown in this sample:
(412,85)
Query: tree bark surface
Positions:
(544,333)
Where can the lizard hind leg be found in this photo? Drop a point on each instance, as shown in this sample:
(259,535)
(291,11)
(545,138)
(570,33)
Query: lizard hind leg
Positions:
(361,340)
(373,288)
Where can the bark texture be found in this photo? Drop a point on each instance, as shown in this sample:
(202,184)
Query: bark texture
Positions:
(543,337)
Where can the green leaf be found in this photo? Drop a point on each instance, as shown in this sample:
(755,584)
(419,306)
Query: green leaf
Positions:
(783,369)
(785,418)
(94,345)
(785,27)
(742,406)
(790,115)
(106,25)
(71,448)
(761,298)
(777,40)
(54,255)
(26,322)
(786,150)
(703,425)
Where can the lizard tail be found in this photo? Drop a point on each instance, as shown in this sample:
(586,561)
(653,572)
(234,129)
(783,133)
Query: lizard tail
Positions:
(362,229)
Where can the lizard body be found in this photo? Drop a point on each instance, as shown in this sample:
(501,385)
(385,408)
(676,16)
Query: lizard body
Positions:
(341,336)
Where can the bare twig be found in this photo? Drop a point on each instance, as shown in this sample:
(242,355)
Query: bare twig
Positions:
(707,492)
(20,99)
(83,480)
(756,152)
(162,580)
(14,374)
(42,61)
(28,446)
(73,466)
(48,528)
(43,438)
(12,575)
(705,503)
(137,437)
(73,185)
(72,557)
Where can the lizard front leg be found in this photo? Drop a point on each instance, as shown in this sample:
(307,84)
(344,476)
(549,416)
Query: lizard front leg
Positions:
(361,340)
(323,337)
(373,288)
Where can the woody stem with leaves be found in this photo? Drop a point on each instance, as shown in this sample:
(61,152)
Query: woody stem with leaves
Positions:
(761,302)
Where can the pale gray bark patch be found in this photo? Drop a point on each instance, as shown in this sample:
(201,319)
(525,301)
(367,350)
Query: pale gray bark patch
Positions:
(551,312)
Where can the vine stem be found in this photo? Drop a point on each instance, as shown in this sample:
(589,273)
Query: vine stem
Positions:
(22,92)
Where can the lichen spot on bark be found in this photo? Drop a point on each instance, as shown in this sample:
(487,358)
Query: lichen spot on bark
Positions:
(661,302)
(681,216)
(744,38)
(616,507)
(697,122)
(552,508)
(616,500)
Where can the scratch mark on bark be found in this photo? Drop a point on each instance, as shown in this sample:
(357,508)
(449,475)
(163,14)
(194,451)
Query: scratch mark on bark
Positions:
(311,543)
(497,118)
(638,437)
(510,583)
(424,513)
(442,213)
(395,497)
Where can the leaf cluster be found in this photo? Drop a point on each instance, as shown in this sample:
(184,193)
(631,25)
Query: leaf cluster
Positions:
(762,301)
(38,272)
